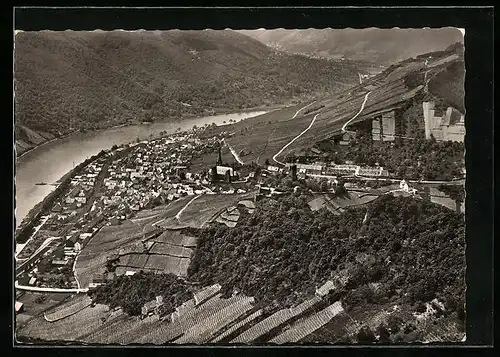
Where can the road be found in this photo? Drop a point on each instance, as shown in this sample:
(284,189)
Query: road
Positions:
(48,290)
(34,257)
(20,247)
(233,152)
(293,140)
(357,114)
(178,215)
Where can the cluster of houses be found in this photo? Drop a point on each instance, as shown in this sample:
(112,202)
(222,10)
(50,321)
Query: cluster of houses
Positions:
(331,171)
(154,168)
(81,189)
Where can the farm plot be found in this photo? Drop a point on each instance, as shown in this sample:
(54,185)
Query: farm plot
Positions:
(205,293)
(163,263)
(88,267)
(168,331)
(183,267)
(353,199)
(202,210)
(308,325)
(273,321)
(170,249)
(33,307)
(189,242)
(109,327)
(120,270)
(122,330)
(68,329)
(137,260)
(235,327)
(205,329)
(331,332)
(181,310)
(72,307)
(170,237)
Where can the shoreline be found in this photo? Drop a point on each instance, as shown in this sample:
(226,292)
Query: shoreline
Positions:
(44,143)
(224,112)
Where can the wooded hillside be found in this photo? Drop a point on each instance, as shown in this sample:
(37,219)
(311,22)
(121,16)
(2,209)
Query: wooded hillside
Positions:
(87,80)
(413,248)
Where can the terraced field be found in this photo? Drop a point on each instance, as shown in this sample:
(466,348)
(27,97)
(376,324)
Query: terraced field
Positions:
(273,321)
(205,329)
(125,238)
(72,307)
(233,320)
(236,326)
(70,328)
(308,325)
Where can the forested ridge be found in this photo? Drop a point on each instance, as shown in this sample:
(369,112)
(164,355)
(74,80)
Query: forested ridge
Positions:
(414,249)
(88,80)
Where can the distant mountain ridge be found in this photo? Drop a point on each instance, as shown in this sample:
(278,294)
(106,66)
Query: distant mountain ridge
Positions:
(379,46)
(68,80)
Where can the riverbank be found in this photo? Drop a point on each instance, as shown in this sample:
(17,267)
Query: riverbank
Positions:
(215,113)
(45,143)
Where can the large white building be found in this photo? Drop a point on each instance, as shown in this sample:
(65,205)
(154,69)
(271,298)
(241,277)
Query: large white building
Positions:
(449,126)
(384,127)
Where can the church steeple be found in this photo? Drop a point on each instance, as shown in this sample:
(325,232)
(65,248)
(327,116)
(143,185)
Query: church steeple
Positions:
(219,158)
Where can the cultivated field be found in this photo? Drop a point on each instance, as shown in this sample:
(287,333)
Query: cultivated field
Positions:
(273,321)
(112,240)
(72,307)
(205,329)
(203,210)
(308,325)
(236,326)
(70,328)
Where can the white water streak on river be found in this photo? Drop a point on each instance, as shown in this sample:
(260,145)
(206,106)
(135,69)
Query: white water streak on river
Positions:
(50,162)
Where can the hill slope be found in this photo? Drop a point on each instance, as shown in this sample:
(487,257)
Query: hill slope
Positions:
(401,85)
(380,46)
(73,80)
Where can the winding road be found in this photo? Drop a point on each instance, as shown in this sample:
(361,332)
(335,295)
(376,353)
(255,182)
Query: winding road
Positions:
(357,114)
(312,123)
(298,136)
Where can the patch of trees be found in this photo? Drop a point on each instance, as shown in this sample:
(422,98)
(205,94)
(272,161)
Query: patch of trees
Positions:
(414,250)
(132,292)
(455,192)
(313,109)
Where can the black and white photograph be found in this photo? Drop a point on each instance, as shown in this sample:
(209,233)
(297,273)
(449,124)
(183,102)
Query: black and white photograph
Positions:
(240,186)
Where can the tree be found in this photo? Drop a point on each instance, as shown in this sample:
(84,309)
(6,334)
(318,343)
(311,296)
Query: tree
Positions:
(324,185)
(365,335)
(383,333)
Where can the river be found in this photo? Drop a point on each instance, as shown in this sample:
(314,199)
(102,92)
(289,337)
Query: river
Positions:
(49,162)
